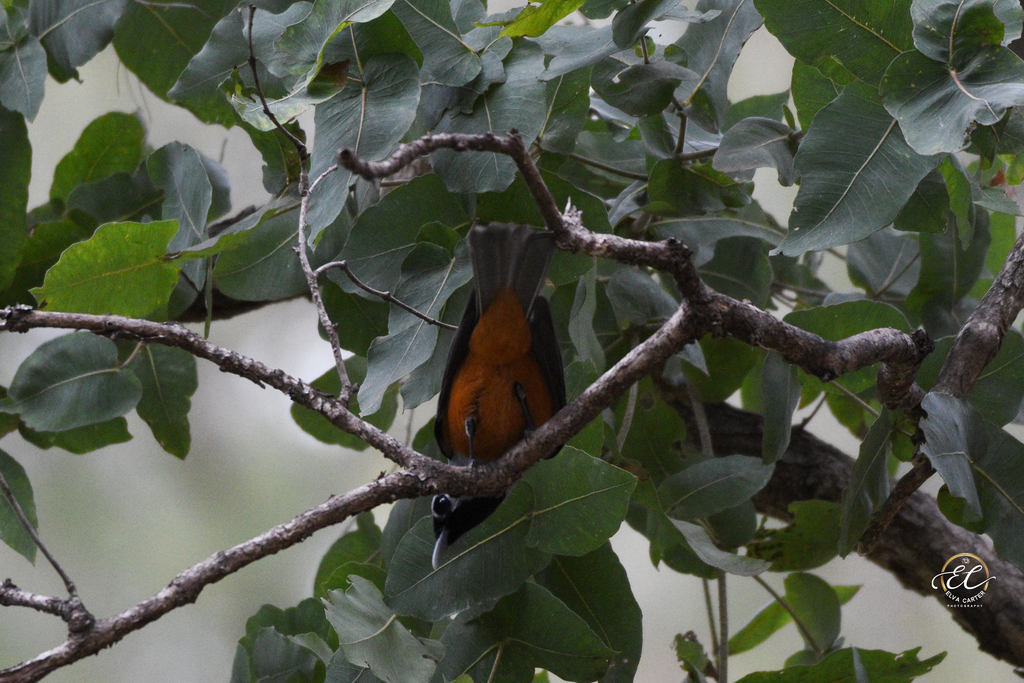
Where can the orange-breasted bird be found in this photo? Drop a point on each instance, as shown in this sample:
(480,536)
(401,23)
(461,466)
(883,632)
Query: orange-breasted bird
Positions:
(504,376)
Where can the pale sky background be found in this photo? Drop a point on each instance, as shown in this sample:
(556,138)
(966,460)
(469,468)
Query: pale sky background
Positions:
(125,520)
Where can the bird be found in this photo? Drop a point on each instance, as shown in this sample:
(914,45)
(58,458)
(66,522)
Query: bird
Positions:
(504,376)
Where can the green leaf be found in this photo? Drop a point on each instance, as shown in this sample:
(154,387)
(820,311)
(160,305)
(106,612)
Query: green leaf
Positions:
(568,103)
(363,319)
(12,531)
(168,378)
(595,587)
(73,31)
(702,233)
(856,173)
(655,438)
(15,172)
(886,261)
(69,382)
(447,58)
(862,36)
(527,630)
(80,440)
(265,267)
(638,89)
(764,106)
(702,545)
(740,269)
(812,90)
(780,392)
(371,636)
(816,606)
(304,43)
(178,170)
(579,502)
(517,103)
(319,427)
(112,143)
(712,486)
(868,487)
(941,27)
(770,619)
(358,546)
(430,274)
(710,49)
(369,116)
(22,66)
(692,189)
(727,363)
(575,47)
(489,562)
(808,542)
(534,20)
(936,102)
(174,34)
(881,667)
(120,270)
(515,205)
(425,381)
(637,299)
(119,197)
(757,143)
(581,321)
(267,651)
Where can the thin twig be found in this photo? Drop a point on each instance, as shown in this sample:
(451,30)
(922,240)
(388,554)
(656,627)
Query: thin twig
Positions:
(300,147)
(386,296)
(723,619)
(681,141)
(895,278)
(302,248)
(855,398)
(79,618)
(608,168)
(711,617)
(131,356)
(701,418)
(807,420)
(799,624)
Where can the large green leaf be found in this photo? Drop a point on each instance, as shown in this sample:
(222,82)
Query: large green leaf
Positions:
(447,58)
(758,143)
(178,170)
(700,543)
(996,462)
(22,65)
(489,562)
(771,618)
(702,233)
(812,90)
(780,394)
(740,269)
(710,49)
(655,437)
(595,587)
(318,426)
(887,261)
(579,502)
(517,103)
(856,173)
(575,47)
(527,630)
(882,667)
(168,377)
(122,270)
(269,650)
(73,31)
(861,35)
(638,89)
(12,531)
(174,34)
(303,43)
(425,381)
(369,116)
(429,275)
(941,27)
(112,143)
(359,546)
(808,542)
(265,267)
(691,189)
(69,382)
(713,485)
(534,20)
(868,487)
(371,636)
(637,299)
(80,440)
(15,171)
(568,103)
(119,197)
(936,102)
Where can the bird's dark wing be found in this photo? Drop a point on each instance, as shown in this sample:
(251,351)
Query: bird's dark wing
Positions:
(548,353)
(456,356)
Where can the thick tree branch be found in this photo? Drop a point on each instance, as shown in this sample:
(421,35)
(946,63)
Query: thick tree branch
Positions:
(913,548)
(975,346)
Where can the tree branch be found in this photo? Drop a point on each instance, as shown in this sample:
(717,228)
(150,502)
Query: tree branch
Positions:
(975,346)
(913,548)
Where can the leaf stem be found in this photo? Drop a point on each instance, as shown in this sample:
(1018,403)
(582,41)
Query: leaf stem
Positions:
(785,605)
(711,617)
(723,620)
(608,168)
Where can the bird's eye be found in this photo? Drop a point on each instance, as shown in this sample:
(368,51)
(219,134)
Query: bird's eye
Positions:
(441,506)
